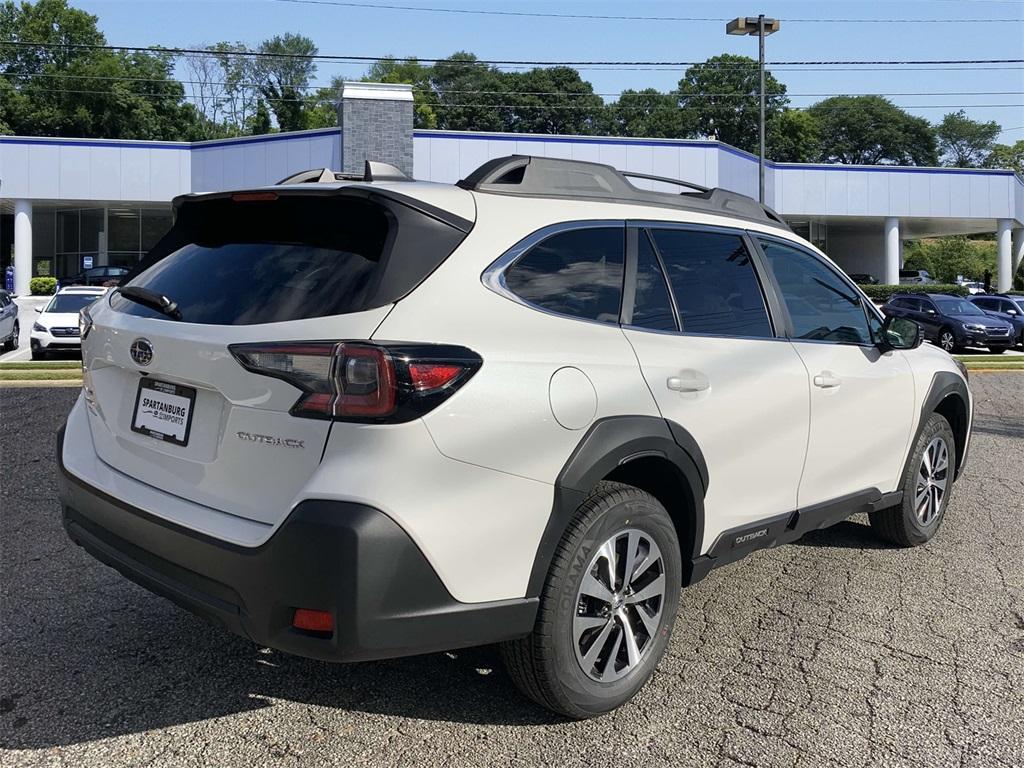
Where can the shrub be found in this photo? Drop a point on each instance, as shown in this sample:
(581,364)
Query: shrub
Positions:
(42,286)
(885,292)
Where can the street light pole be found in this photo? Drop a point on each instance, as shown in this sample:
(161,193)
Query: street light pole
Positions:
(760,69)
(762,27)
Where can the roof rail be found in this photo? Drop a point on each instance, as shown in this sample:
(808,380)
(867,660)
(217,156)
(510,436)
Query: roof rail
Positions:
(373,170)
(527,175)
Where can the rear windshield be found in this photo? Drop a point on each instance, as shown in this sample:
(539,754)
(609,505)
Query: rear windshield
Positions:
(71,302)
(228,262)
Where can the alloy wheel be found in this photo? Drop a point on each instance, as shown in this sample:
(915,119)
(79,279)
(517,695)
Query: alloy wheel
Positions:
(14,338)
(946,341)
(932,478)
(619,606)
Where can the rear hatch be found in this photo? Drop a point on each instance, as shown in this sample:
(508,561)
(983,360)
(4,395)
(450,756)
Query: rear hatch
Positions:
(172,407)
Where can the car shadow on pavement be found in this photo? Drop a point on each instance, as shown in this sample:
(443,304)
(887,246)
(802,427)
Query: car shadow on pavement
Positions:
(150,666)
(855,533)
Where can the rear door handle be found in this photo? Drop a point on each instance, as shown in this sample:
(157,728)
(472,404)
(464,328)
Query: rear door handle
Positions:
(827,380)
(691,381)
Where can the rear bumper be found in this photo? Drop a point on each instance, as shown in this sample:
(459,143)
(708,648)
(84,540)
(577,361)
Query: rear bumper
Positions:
(349,559)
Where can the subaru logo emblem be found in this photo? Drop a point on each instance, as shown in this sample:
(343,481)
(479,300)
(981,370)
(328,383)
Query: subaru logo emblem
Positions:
(142,351)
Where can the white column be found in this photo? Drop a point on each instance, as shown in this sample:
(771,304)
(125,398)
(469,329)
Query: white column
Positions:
(1016,250)
(22,246)
(1004,270)
(892,251)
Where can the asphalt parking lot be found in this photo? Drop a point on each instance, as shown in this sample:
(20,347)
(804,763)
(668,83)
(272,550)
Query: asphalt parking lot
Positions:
(836,650)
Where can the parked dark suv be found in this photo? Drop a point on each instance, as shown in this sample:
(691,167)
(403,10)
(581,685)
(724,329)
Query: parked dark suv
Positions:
(108,276)
(952,322)
(1009,309)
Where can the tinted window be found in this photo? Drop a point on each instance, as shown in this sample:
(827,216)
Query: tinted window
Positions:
(229,262)
(714,283)
(821,305)
(952,306)
(70,302)
(577,273)
(652,307)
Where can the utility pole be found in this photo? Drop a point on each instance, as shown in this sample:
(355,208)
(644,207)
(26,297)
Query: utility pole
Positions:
(762,27)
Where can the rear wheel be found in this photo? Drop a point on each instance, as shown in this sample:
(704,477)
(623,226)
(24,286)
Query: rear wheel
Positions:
(927,485)
(947,340)
(607,608)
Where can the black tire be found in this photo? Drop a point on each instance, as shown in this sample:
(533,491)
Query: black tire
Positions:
(12,344)
(901,525)
(947,340)
(38,354)
(544,665)
(997,350)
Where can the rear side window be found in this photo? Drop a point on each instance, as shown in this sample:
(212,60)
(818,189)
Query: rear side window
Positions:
(822,307)
(229,262)
(714,283)
(576,273)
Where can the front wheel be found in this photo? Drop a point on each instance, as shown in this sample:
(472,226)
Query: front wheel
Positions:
(947,340)
(997,350)
(607,608)
(927,485)
(38,354)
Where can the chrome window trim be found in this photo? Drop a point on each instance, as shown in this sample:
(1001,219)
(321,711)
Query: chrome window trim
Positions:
(494,276)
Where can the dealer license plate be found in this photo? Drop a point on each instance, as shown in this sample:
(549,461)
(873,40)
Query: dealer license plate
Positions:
(164,410)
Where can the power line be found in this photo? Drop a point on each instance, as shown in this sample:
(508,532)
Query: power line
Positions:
(254,85)
(610,17)
(351,58)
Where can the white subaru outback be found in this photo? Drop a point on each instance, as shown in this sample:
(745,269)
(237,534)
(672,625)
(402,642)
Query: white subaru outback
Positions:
(358,418)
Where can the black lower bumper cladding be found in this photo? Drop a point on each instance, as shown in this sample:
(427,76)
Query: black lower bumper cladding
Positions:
(349,559)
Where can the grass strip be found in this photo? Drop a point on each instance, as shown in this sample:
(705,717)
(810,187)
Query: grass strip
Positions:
(40,376)
(43,365)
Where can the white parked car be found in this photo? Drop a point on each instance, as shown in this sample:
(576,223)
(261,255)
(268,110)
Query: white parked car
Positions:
(56,329)
(362,418)
(974,288)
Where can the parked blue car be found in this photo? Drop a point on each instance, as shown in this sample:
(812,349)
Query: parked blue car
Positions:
(952,322)
(1007,308)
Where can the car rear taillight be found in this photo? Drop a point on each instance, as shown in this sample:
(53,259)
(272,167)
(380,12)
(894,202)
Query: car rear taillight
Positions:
(359,381)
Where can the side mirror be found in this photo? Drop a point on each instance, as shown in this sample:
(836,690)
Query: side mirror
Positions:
(930,311)
(900,333)
(39,310)
(1012,312)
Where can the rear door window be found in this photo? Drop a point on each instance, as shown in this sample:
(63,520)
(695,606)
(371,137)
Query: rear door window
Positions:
(714,283)
(242,262)
(576,273)
(652,306)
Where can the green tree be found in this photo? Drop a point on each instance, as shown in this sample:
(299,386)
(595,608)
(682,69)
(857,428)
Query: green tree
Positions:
(259,121)
(965,143)
(647,113)
(794,136)
(721,99)
(948,258)
(1007,156)
(85,92)
(284,72)
(552,100)
(410,72)
(470,96)
(872,130)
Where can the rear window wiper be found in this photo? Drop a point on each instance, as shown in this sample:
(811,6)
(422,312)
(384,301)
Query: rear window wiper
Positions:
(151,299)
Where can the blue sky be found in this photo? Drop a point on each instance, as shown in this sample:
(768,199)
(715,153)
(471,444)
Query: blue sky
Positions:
(374,32)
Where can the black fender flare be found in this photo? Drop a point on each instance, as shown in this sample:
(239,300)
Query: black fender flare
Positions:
(610,443)
(944,384)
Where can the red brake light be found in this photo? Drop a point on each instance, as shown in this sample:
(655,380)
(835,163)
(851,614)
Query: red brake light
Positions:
(433,375)
(254,197)
(359,381)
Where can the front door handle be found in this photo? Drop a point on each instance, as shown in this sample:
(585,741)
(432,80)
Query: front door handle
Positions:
(688,381)
(827,380)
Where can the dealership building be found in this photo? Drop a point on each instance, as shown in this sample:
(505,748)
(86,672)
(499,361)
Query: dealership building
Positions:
(70,203)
